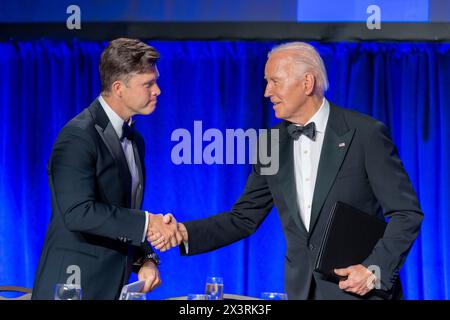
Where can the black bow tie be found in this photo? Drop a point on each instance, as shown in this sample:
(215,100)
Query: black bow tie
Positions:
(296,131)
(127,131)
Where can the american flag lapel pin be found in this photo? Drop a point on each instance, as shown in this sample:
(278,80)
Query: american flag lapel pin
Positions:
(342,144)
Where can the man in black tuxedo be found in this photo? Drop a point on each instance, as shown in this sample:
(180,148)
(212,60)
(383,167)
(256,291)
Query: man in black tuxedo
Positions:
(97,233)
(326,154)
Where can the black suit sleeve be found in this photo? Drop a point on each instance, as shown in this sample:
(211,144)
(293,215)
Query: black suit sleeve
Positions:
(393,189)
(72,174)
(225,228)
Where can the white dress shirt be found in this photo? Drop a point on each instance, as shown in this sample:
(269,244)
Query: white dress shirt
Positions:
(127,146)
(306,162)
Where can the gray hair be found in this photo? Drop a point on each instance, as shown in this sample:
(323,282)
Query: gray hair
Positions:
(306,56)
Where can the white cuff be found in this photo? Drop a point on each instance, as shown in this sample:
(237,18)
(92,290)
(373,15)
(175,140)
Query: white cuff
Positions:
(146,225)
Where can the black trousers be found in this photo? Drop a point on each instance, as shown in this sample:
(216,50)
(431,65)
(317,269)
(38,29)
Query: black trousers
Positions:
(314,293)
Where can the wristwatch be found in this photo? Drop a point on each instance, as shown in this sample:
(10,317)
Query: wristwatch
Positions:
(153,257)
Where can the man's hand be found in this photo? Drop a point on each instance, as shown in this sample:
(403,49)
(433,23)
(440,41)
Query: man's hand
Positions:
(156,239)
(183,231)
(150,273)
(163,232)
(359,279)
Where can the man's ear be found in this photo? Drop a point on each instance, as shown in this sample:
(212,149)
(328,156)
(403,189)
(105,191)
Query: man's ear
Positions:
(116,88)
(309,83)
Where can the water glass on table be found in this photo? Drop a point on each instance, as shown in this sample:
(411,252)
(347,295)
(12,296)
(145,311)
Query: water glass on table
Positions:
(195,296)
(214,287)
(135,296)
(274,296)
(64,291)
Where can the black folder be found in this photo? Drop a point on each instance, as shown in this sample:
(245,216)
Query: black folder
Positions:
(349,238)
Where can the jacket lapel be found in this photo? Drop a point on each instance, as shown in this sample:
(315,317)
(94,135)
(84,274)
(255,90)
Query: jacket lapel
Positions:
(140,187)
(112,142)
(336,143)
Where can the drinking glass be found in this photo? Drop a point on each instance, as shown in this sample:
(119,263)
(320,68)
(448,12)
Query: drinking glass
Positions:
(195,296)
(135,296)
(64,291)
(214,287)
(274,296)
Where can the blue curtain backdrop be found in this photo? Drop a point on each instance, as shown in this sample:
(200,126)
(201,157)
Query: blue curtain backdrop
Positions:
(46,83)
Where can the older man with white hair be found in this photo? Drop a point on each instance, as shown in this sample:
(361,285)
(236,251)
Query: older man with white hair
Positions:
(327,154)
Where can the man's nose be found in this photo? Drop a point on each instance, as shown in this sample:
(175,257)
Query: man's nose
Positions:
(267,92)
(156,91)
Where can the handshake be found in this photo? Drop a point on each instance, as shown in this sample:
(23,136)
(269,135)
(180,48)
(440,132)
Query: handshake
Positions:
(164,232)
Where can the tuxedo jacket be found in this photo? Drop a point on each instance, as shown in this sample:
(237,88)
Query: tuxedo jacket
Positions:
(359,165)
(95,233)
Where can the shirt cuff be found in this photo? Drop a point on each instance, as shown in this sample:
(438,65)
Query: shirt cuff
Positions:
(186,246)
(146,225)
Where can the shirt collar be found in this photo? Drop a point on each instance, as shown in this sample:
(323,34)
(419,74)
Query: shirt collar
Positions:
(114,118)
(320,118)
